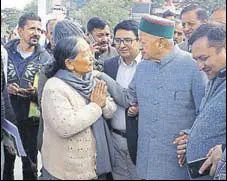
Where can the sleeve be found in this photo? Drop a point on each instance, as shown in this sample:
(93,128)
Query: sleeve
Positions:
(66,120)
(110,108)
(122,96)
(41,83)
(199,84)
(9,112)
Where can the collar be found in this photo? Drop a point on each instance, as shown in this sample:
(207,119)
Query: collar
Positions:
(170,57)
(137,60)
(222,73)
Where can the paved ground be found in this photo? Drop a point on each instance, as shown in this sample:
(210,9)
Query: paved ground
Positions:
(18,168)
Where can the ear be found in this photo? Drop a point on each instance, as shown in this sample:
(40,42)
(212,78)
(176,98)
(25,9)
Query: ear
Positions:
(67,64)
(162,43)
(20,31)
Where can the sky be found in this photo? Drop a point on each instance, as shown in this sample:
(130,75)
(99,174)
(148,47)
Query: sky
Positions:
(19,4)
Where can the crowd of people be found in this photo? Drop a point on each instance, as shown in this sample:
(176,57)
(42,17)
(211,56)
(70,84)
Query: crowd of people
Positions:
(146,103)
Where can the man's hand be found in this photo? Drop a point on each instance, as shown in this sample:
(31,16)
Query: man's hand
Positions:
(181,142)
(214,156)
(13,88)
(133,110)
(95,48)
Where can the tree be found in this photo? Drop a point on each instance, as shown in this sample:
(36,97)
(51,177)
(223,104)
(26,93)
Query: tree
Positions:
(113,11)
(10,18)
(32,7)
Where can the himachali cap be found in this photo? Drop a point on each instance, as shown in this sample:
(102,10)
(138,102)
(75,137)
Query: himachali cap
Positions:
(157,26)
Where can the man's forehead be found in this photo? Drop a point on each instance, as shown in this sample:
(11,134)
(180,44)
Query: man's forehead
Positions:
(190,16)
(32,23)
(200,44)
(98,30)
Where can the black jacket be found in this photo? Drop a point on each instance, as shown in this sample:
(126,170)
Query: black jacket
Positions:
(6,107)
(111,68)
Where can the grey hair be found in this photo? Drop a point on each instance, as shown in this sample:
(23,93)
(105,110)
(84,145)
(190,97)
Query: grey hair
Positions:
(66,28)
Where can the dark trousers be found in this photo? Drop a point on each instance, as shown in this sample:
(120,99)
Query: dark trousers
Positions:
(28,131)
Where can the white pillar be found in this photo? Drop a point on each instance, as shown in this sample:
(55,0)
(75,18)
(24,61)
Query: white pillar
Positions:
(42,15)
(42,11)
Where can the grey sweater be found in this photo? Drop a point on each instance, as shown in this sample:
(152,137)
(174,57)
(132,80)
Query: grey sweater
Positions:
(209,128)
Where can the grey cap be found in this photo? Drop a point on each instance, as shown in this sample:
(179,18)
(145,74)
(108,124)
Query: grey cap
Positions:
(66,28)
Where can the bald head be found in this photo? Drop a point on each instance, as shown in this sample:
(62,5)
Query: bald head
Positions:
(219,16)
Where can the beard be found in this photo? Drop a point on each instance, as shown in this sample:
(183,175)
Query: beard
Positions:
(34,40)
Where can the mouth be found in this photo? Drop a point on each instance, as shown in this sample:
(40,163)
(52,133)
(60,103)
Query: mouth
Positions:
(34,39)
(123,51)
(188,34)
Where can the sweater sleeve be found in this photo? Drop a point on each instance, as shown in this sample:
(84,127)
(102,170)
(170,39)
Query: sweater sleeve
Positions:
(65,119)
(110,108)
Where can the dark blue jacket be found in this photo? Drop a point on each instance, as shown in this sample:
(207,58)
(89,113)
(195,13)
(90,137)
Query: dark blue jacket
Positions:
(24,74)
(111,68)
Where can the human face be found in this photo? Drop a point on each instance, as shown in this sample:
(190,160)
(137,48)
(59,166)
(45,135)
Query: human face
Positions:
(190,23)
(102,37)
(149,46)
(83,62)
(178,34)
(208,59)
(31,33)
(49,33)
(130,49)
(219,16)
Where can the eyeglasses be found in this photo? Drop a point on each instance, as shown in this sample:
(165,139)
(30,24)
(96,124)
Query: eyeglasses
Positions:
(125,41)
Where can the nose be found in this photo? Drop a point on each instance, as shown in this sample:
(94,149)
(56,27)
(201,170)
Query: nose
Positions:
(122,44)
(186,27)
(37,32)
(105,39)
(201,65)
(141,46)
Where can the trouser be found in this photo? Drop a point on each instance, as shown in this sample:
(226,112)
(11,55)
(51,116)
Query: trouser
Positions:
(2,160)
(221,171)
(28,131)
(123,167)
(45,175)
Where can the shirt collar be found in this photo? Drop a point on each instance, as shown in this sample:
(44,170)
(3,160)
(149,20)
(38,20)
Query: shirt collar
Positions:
(137,60)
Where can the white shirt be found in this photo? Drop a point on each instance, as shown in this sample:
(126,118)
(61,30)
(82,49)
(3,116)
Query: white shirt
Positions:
(124,77)
(23,53)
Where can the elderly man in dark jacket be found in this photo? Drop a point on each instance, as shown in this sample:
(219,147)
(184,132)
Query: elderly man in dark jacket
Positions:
(25,59)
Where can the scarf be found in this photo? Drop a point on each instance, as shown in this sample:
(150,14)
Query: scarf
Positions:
(100,128)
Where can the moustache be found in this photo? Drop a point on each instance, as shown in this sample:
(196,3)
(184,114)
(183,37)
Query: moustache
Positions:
(35,37)
(103,43)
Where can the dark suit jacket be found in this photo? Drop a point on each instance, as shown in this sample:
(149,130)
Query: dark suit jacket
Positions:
(111,68)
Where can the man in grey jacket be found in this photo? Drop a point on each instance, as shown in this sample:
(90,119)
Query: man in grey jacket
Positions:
(209,129)
(168,88)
